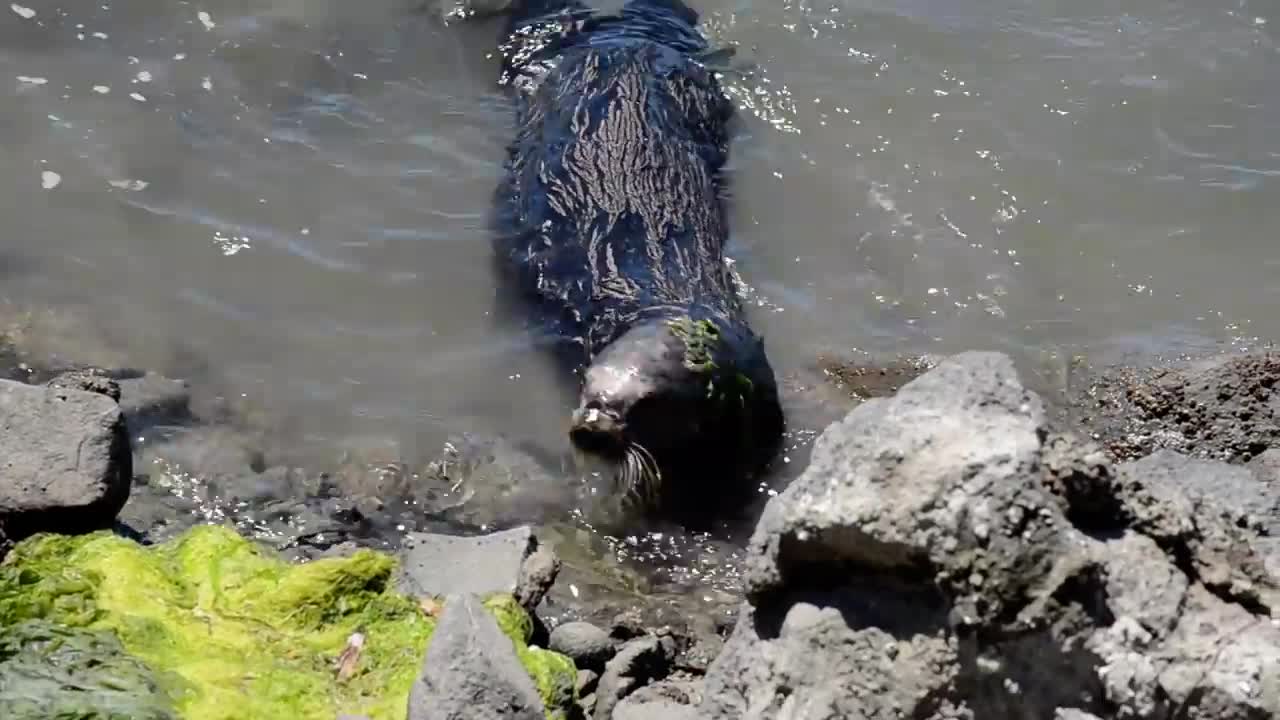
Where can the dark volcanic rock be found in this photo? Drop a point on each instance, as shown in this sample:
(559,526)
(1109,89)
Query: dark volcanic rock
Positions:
(471,671)
(509,561)
(1222,408)
(66,462)
(944,557)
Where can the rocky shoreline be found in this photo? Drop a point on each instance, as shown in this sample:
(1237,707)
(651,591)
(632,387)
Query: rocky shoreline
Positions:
(953,549)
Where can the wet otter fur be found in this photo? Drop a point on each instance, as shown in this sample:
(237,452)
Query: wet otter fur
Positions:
(611,223)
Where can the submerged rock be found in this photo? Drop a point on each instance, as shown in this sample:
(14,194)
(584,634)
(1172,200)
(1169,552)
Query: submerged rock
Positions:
(67,461)
(943,556)
(50,670)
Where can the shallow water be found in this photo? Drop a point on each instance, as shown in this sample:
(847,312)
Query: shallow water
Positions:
(290,195)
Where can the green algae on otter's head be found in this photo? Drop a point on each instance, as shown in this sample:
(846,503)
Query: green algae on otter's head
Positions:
(701,337)
(240,634)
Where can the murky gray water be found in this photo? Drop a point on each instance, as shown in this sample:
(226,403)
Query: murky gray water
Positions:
(293,192)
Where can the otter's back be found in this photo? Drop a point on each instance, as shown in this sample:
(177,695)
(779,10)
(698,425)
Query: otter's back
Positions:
(612,204)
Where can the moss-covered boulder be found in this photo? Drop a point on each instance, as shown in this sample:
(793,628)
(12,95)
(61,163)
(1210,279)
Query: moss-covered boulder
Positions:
(211,627)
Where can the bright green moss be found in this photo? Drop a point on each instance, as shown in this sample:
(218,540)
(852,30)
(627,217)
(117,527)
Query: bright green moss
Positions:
(514,621)
(555,677)
(255,637)
(241,634)
(553,674)
(701,337)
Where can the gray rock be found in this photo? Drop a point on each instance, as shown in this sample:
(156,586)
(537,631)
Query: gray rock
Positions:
(943,480)
(508,561)
(537,574)
(812,664)
(1232,491)
(1208,512)
(665,700)
(587,645)
(1266,467)
(1221,661)
(639,662)
(471,670)
(67,462)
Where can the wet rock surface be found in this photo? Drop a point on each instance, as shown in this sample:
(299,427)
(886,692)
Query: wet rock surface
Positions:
(511,561)
(1221,408)
(66,462)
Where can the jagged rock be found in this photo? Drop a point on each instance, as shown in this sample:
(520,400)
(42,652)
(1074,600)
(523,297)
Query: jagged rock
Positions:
(1211,518)
(66,460)
(587,645)
(508,561)
(639,662)
(471,670)
(810,663)
(944,557)
(941,480)
(537,574)
(1209,514)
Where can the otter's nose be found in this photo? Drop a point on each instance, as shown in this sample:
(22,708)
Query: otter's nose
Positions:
(596,431)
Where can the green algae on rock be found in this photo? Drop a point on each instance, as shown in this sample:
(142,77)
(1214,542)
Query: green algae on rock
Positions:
(252,636)
(241,634)
(554,675)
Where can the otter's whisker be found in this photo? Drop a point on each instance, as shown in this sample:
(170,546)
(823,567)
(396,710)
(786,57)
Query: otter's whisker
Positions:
(648,478)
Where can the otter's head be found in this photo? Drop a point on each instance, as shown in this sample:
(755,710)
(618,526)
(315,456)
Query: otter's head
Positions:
(680,406)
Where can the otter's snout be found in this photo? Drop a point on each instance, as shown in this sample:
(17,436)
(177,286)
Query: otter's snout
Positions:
(596,431)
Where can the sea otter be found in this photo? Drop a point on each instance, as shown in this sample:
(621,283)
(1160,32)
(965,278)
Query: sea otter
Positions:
(611,220)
